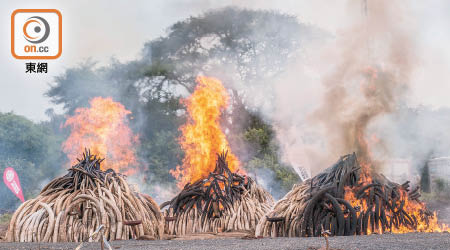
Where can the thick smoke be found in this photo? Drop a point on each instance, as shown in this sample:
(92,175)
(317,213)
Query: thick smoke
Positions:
(357,92)
(373,67)
(326,102)
(337,94)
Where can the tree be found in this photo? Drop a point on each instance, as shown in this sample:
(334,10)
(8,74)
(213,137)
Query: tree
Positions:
(20,138)
(243,48)
(236,45)
(78,85)
(265,164)
(32,150)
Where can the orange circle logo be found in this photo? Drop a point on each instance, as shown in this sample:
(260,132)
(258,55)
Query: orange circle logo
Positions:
(36,29)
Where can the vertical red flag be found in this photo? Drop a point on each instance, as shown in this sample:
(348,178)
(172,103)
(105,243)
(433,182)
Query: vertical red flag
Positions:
(11,180)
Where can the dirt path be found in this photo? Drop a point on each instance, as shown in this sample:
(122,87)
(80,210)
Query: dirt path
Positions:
(413,241)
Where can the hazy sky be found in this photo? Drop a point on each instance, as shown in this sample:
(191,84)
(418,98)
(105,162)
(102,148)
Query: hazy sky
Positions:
(104,29)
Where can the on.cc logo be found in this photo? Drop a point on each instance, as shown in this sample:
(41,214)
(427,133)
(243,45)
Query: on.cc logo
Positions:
(36,29)
(36,34)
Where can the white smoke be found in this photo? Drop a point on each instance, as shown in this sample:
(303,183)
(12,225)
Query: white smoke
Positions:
(392,36)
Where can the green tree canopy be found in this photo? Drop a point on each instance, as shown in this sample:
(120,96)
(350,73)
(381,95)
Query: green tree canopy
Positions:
(243,48)
(32,150)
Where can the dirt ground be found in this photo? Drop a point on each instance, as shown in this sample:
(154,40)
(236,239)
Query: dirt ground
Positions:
(413,241)
(386,241)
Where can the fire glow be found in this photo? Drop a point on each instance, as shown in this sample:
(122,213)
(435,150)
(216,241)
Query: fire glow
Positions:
(103,129)
(202,136)
(415,209)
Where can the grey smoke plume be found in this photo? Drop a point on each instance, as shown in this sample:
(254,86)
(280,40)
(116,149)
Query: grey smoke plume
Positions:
(326,102)
(364,91)
(339,89)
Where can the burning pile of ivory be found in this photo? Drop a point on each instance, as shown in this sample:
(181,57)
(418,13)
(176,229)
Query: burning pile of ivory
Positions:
(346,200)
(72,207)
(224,201)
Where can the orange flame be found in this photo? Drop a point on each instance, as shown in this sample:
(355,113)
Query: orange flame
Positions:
(413,208)
(102,128)
(202,136)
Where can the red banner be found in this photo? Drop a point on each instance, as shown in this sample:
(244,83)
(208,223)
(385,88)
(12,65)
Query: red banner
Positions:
(11,180)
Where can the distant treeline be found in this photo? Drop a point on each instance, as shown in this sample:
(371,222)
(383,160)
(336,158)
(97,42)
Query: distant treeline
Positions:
(238,46)
(243,48)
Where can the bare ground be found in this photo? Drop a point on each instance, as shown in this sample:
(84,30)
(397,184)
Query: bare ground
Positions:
(387,241)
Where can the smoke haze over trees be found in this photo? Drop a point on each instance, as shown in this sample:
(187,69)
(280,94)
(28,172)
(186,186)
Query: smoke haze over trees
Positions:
(249,51)
(240,47)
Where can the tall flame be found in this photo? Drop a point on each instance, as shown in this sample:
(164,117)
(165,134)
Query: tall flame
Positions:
(202,136)
(413,208)
(103,129)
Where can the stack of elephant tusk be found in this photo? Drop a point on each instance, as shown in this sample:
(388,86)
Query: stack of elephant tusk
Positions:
(345,200)
(71,207)
(224,201)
